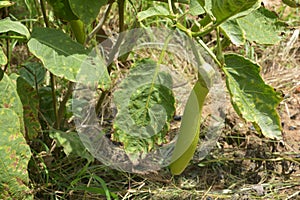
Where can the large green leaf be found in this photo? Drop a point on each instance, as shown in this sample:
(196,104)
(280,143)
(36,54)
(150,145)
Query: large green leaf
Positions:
(71,144)
(251,97)
(14,157)
(30,103)
(145,105)
(153,11)
(61,55)
(189,130)
(234,32)
(260,26)
(87,10)
(10,98)
(225,9)
(7,25)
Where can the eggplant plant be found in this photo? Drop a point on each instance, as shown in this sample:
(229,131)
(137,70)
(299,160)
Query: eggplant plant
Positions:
(36,99)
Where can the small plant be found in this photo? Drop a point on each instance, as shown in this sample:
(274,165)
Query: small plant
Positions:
(35,101)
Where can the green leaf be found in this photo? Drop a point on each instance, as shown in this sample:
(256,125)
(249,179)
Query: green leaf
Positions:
(71,144)
(5,4)
(30,103)
(234,32)
(159,11)
(196,8)
(33,72)
(46,102)
(189,130)
(87,10)
(292,3)
(225,9)
(145,105)
(61,55)
(14,157)
(3,58)
(10,98)
(62,9)
(265,31)
(7,25)
(252,99)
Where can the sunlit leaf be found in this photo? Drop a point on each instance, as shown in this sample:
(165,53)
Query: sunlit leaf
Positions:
(234,32)
(3,58)
(252,99)
(62,56)
(7,25)
(145,105)
(265,31)
(153,11)
(14,157)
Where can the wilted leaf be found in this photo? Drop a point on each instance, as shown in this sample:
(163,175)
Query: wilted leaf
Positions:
(252,99)
(14,157)
(87,10)
(7,25)
(30,103)
(265,31)
(71,144)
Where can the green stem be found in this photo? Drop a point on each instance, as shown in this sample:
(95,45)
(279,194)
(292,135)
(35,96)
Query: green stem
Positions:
(52,77)
(114,51)
(13,37)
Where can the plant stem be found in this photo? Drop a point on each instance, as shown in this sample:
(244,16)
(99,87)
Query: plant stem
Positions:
(42,2)
(13,37)
(62,105)
(114,50)
(52,77)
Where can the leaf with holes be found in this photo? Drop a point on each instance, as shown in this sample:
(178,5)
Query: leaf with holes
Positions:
(252,99)
(145,105)
(14,157)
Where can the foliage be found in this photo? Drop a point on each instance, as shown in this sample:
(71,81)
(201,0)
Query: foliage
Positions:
(33,104)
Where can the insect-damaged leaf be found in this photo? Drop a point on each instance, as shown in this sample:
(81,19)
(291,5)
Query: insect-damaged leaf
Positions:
(14,157)
(252,99)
